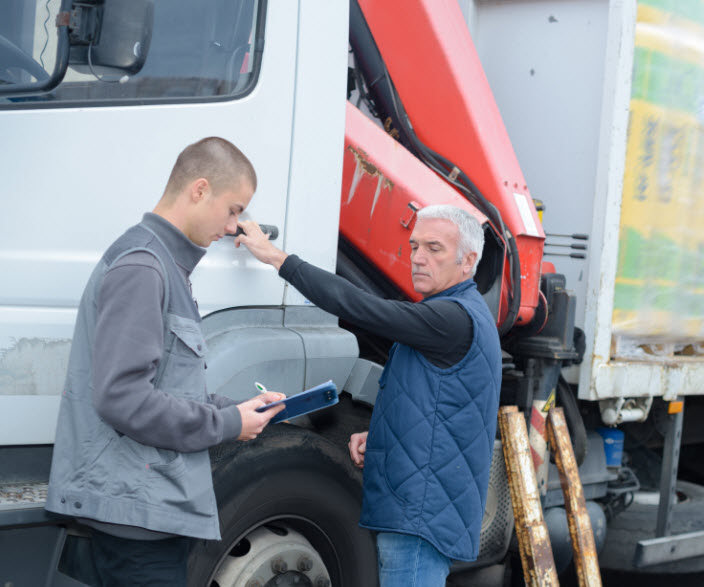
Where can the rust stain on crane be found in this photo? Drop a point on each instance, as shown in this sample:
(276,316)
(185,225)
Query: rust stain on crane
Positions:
(363,166)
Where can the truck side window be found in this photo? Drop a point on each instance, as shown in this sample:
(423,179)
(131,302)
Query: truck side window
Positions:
(197,50)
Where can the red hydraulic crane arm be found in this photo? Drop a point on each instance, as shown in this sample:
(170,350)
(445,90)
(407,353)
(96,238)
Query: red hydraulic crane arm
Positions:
(436,71)
(382,185)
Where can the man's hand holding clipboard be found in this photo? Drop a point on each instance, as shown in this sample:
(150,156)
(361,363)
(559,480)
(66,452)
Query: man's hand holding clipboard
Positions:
(313,399)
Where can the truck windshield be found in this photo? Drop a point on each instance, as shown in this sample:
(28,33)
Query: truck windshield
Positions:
(194,50)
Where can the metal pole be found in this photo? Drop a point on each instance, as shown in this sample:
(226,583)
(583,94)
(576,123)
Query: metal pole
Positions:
(543,400)
(668,474)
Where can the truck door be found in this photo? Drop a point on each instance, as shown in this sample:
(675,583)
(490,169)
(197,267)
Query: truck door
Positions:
(82,162)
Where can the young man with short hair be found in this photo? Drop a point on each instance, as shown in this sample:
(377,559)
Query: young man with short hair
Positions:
(135,423)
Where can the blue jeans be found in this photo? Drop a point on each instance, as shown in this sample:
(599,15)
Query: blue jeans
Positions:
(410,561)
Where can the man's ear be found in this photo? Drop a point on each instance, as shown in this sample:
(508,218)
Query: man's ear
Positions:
(468,262)
(199,188)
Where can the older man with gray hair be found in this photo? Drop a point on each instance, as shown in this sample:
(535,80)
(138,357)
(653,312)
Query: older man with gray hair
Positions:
(427,454)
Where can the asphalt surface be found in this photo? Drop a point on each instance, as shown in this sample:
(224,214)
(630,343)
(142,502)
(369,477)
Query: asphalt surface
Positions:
(690,580)
(627,579)
(637,523)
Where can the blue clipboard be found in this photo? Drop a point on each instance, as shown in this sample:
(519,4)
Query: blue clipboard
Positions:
(313,399)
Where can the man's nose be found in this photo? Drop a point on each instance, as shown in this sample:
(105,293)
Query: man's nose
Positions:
(418,258)
(231,226)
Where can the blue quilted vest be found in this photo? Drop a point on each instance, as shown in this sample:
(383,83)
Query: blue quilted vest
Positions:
(431,439)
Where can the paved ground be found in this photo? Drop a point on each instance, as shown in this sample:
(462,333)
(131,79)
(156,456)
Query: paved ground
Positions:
(624,579)
(637,523)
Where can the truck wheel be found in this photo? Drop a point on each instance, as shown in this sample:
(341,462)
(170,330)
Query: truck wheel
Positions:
(289,504)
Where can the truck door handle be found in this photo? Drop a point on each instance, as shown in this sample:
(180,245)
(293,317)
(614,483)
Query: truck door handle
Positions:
(270,229)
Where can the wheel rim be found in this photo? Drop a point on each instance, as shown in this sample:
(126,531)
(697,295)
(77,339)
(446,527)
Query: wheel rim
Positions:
(277,553)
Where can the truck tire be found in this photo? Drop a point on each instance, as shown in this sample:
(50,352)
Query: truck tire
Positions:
(286,492)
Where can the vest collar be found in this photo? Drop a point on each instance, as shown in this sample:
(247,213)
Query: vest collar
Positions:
(457,289)
(185,252)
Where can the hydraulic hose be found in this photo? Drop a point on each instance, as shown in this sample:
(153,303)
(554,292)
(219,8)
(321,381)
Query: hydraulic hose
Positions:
(389,106)
(575,423)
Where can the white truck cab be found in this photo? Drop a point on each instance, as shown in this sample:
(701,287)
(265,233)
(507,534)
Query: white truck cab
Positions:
(84,159)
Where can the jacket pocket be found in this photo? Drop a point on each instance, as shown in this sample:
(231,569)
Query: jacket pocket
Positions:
(184,484)
(189,333)
(154,475)
(184,373)
(376,481)
(150,456)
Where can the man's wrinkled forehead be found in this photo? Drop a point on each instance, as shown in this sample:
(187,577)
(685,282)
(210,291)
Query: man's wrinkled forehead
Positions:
(440,230)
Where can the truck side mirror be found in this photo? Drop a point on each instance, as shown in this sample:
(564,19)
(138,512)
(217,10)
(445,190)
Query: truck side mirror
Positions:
(113,34)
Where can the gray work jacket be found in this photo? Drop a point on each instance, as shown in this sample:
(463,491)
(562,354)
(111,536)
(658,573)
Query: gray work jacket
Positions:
(101,474)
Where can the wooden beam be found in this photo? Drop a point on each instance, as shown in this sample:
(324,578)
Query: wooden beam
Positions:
(533,540)
(586,560)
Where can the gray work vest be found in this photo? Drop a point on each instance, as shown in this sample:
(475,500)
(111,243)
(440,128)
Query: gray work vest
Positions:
(103,475)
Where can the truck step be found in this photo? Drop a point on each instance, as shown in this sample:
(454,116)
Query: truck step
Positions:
(19,495)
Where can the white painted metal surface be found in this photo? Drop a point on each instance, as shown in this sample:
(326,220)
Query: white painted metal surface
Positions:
(317,142)
(75,178)
(545,63)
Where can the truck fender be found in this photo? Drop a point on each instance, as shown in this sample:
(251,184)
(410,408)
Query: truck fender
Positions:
(288,350)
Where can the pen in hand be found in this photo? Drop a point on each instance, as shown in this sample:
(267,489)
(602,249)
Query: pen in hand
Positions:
(262,389)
